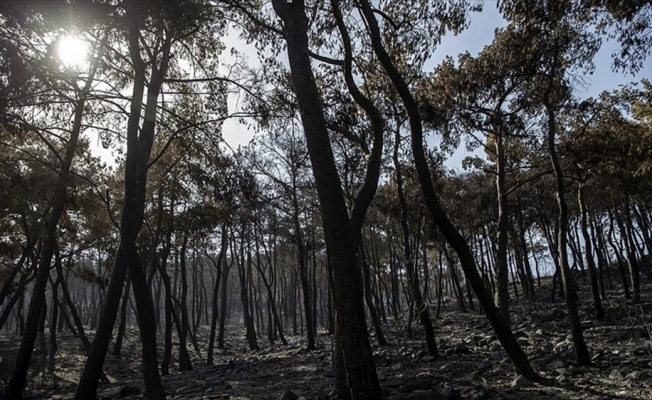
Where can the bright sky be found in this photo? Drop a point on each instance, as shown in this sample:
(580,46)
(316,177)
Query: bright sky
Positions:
(481,33)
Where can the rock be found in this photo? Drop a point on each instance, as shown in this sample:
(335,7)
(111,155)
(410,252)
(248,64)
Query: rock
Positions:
(288,395)
(449,393)
(128,390)
(546,347)
(634,375)
(322,396)
(573,370)
(521,381)
(416,395)
(461,348)
(467,379)
(496,348)
(417,384)
(478,393)
(396,366)
(560,372)
(598,355)
(555,364)
(616,375)
(393,383)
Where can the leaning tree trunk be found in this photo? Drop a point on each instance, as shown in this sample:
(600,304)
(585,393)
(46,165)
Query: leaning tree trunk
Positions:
(19,375)
(139,146)
(450,232)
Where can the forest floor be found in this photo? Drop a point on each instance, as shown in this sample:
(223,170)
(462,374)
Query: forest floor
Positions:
(472,365)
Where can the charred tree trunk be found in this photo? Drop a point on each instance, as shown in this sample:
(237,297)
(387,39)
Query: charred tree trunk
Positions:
(450,232)
(502,270)
(582,355)
(421,309)
(588,249)
(139,145)
(355,370)
(368,295)
(19,375)
(215,311)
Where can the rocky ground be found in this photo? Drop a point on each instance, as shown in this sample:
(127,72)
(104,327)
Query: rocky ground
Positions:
(472,364)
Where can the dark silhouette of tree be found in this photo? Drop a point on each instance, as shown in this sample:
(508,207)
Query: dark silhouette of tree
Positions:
(449,231)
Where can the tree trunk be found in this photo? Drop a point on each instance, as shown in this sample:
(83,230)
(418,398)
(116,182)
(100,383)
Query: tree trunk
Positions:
(242,262)
(184,359)
(632,262)
(223,300)
(355,369)
(588,249)
(368,295)
(19,375)
(502,271)
(410,266)
(117,347)
(303,277)
(582,355)
(215,311)
(452,235)
(139,146)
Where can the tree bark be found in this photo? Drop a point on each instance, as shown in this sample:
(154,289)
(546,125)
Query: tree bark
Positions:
(421,308)
(582,355)
(184,362)
(450,232)
(214,302)
(19,375)
(588,249)
(502,281)
(368,295)
(355,369)
(139,146)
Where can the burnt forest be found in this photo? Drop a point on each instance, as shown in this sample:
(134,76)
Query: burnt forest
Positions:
(325,199)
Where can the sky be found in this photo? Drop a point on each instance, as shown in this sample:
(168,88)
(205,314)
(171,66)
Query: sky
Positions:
(479,34)
(481,31)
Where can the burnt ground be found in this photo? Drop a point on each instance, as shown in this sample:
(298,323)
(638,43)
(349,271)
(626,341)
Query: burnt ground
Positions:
(472,364)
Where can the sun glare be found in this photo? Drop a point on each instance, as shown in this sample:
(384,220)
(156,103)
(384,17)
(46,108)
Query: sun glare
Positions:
(72,51)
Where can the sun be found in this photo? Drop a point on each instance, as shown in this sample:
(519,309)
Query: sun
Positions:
(72,51)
